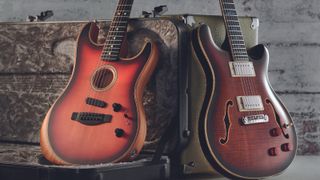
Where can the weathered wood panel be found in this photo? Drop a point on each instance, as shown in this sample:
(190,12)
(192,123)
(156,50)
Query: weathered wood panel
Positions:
(291,72)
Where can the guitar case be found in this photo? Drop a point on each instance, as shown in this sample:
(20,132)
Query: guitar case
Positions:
(35,65)
(192,158)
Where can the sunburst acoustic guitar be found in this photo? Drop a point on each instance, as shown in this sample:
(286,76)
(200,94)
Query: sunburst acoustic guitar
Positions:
(245,130)
(99,117)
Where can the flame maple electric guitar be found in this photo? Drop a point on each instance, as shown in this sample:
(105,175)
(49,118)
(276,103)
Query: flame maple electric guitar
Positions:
(245,131)
(99,118)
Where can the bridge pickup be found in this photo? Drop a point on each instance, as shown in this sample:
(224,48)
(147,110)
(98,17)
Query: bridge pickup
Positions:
(91,119)
(255,119)
(242,69)
(250,103)
(96,102)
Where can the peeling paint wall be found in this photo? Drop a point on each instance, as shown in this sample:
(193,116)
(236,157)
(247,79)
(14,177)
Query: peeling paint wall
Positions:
(288,27)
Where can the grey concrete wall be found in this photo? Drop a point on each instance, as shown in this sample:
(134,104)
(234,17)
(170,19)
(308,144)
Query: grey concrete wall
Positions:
(288,27)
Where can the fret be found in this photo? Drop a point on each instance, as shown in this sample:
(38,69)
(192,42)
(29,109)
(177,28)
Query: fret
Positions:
(229,6)
(111,51)
(230,12)
(117,30)
(227,1)
(235,38)
(123,10)
(117,36)
(116,22)
(243,54)
(235,33)
(110,55)
(237,41)
(113,48)
(234,28)
(113,26)
(232,18)
(232,23)
(239,46)
(113,40)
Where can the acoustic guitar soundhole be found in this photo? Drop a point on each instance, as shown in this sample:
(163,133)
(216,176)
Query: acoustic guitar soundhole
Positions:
(104,78)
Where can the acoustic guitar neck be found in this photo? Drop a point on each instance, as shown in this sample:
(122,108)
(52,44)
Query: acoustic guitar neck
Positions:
(117,31)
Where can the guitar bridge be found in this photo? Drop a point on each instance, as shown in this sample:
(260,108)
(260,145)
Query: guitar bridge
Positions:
(91,119)
(242,69)
(255,119)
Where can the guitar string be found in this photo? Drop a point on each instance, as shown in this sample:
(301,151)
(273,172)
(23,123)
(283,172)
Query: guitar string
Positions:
(246,82)
(110,43)
(100,75)
(228,33)
(101,61)
(111,39)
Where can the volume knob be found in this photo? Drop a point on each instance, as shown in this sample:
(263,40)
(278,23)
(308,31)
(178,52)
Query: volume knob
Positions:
(273,151)
(116,107)
(275,132)
(286,147)
(119,132)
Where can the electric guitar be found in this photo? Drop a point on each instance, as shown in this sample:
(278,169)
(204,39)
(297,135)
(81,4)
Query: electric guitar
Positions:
(245,130)
(99,117)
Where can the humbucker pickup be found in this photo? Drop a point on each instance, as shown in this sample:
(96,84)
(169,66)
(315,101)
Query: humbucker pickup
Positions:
(91,119)
(250,103)
(242,69)
(255,119)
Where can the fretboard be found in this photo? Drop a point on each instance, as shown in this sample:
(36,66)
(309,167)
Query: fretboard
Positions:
(234,33)
(117,31)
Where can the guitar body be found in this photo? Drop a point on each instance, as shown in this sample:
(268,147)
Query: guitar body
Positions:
(234,149)
(68,138)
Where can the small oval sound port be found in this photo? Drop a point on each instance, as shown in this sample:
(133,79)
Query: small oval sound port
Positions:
(104,78)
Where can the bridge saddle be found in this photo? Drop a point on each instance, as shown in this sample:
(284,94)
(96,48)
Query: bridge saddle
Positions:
(255,119)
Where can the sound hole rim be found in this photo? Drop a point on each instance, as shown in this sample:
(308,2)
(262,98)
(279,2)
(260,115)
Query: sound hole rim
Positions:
(113,81)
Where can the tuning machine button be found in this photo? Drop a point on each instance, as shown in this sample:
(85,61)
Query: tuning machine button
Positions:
(119,132)
(286,147)
(116,107)
(273,151)
(275,132)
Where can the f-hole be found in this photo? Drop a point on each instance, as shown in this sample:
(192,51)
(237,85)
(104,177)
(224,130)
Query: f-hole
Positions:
(227,123)
(278,119)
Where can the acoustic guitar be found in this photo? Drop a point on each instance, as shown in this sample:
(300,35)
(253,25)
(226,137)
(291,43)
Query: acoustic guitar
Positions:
(245,130)
(99,117)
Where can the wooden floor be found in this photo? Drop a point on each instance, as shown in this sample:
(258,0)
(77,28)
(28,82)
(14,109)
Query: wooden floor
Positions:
(303,168)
